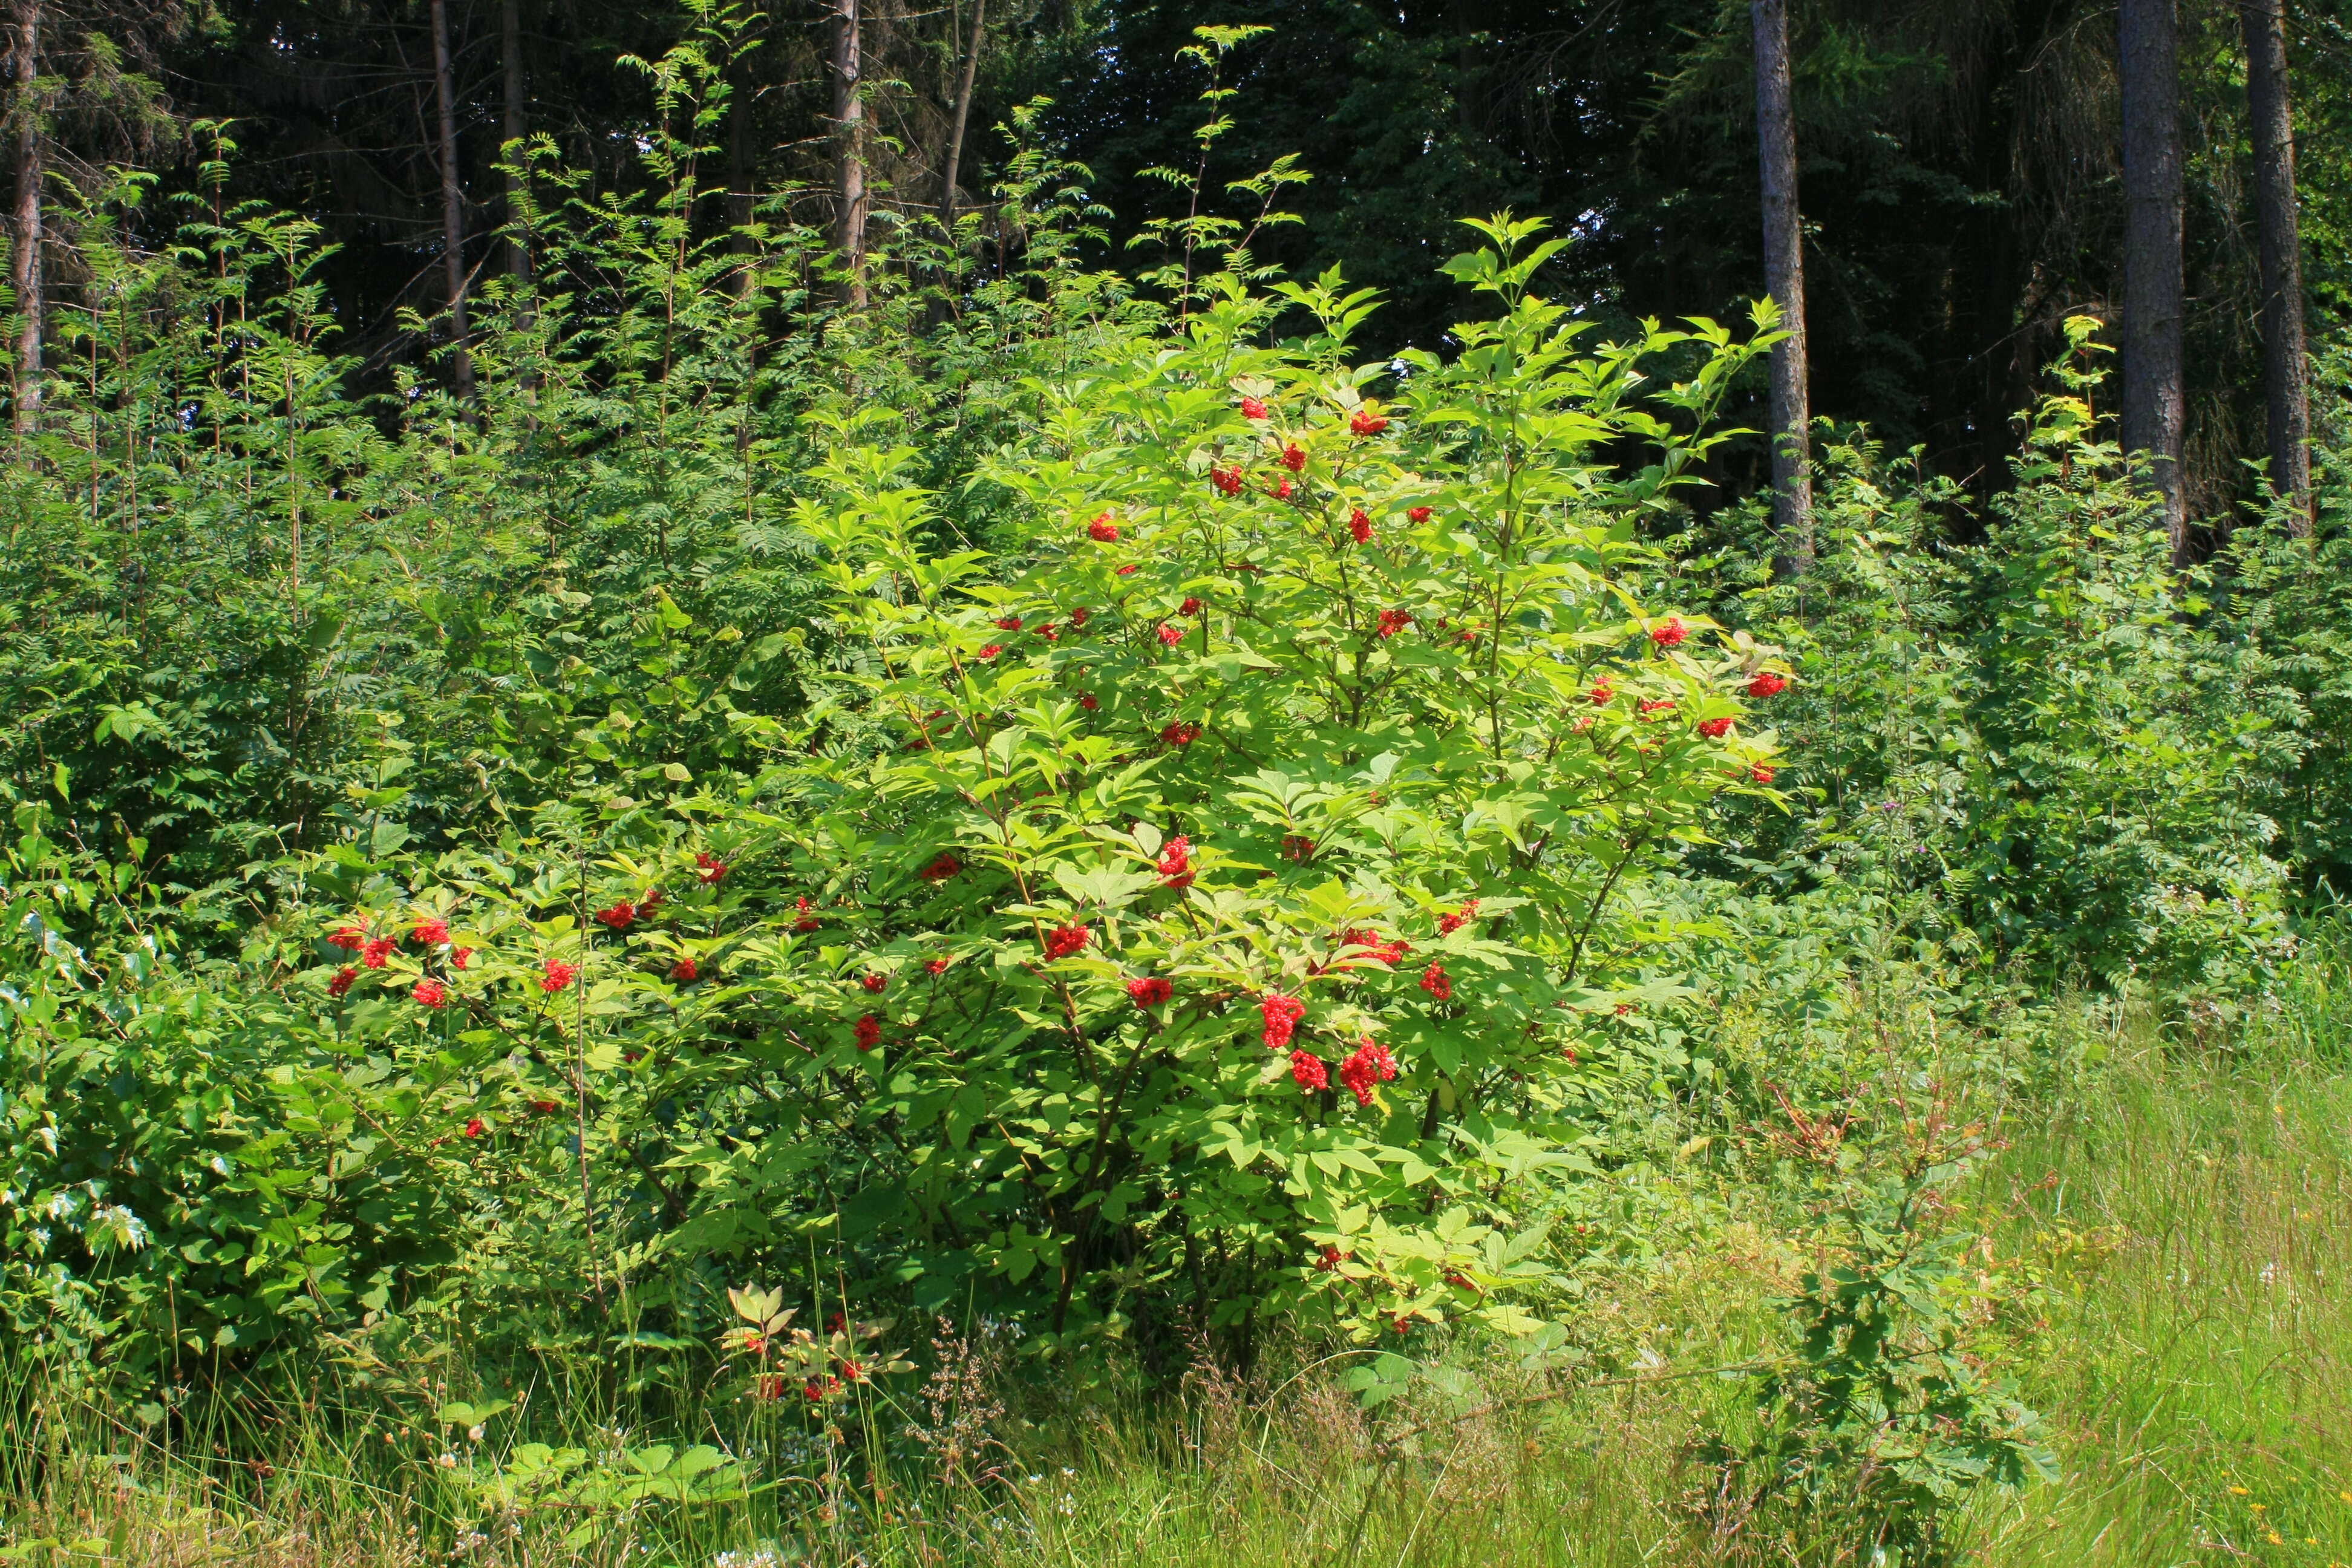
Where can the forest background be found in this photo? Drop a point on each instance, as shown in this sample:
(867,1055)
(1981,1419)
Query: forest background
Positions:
(768,762)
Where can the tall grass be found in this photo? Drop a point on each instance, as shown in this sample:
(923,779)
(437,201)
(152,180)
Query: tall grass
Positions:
(2183,1212)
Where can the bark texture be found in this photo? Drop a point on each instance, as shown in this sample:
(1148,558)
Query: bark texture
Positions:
(2285,369)
(2155,405)
(24,270)
(1784,279)
(849,123)
(452,199)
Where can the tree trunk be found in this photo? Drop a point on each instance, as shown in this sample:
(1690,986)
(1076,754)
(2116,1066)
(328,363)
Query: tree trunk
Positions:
(2285,383)
(742,163)
(516,127)
(962,116)
(849,123)
(25,271)
(2154,404)
(1784,279)
(453,208)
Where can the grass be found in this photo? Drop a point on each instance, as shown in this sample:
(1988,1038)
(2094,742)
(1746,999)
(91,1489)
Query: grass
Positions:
(2179,1223)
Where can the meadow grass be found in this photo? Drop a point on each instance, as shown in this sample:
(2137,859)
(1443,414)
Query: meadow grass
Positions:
(2179,1219)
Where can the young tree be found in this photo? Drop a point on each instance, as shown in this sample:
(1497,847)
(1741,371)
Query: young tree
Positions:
(2154,404)
(1784,279)
(962,115)
(2285,386)
(453,201)
(849,125)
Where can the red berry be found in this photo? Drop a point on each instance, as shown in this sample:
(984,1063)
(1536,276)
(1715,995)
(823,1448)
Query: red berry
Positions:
(1088,701)
(1418,513)
(1434,981)
(619,916)
(1080,616)
(1760,774)
(1360,526)
(1150,992)
(1191,606)
(685,971)
(1766,683)
(1253,408)
(1184,732)
(341,982)
(376,951)
(1281,1015)
(1228,479)
(558,976)
(1370,1064)
(1447,924)
(1714,729)
(709,867)
(874,983)
(991,651)
(1366,423)
(869,1032)
(1393,621)
(1062,941)
(474,1128)
(1669,634)
(1103,530)
(1176,862)
(1008,622)
(1602,693)
(1309,1071)
(940,869)
(349,938)
(1294,459)
(430,994)
(431,930)
(1172,635)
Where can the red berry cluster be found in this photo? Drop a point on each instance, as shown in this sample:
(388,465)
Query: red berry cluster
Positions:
(1281,1015)
(1370,1064)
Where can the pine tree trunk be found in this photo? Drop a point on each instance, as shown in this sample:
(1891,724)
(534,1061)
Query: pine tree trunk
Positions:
(453,208)
(962,116)
(2155,405)
(1784,279)
(24,270)
(2286,376)
(516,127)
(849,122)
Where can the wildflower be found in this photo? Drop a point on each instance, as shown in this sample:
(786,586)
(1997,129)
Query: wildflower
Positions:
(1170,634)
(1103,530)
(1447,924)
(1253,408)
(708,868)
(475,1128)
(343,981)
(620,916)
(1370,1064)
(1714,729)
(1184,732)
(1393,621)
(992,650)
(459,957)
(1766,684)
(1366,423)
(1087,700)
(378,950)
(559,976)
(1760,774)
(1127,569)
(430,994)
(432,930)
(348,937)
(1281,491)
(1281,1015)
(1149,991)
(1434,981)
(1079,617)
(869,1032)
(1062,941)
(940,869)
(1418,513)
(1191,606)
(1176,861)
(1294,459)
(1310,1071)
(874,983)
(1360,526)
(1669,634)
(1228,480)
(1602,693)
(936,967)
(685,971)
(807,921)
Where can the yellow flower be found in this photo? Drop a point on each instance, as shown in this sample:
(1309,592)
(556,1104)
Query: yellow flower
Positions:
(2237,1492)
(2259,1507)
(2277,1540)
